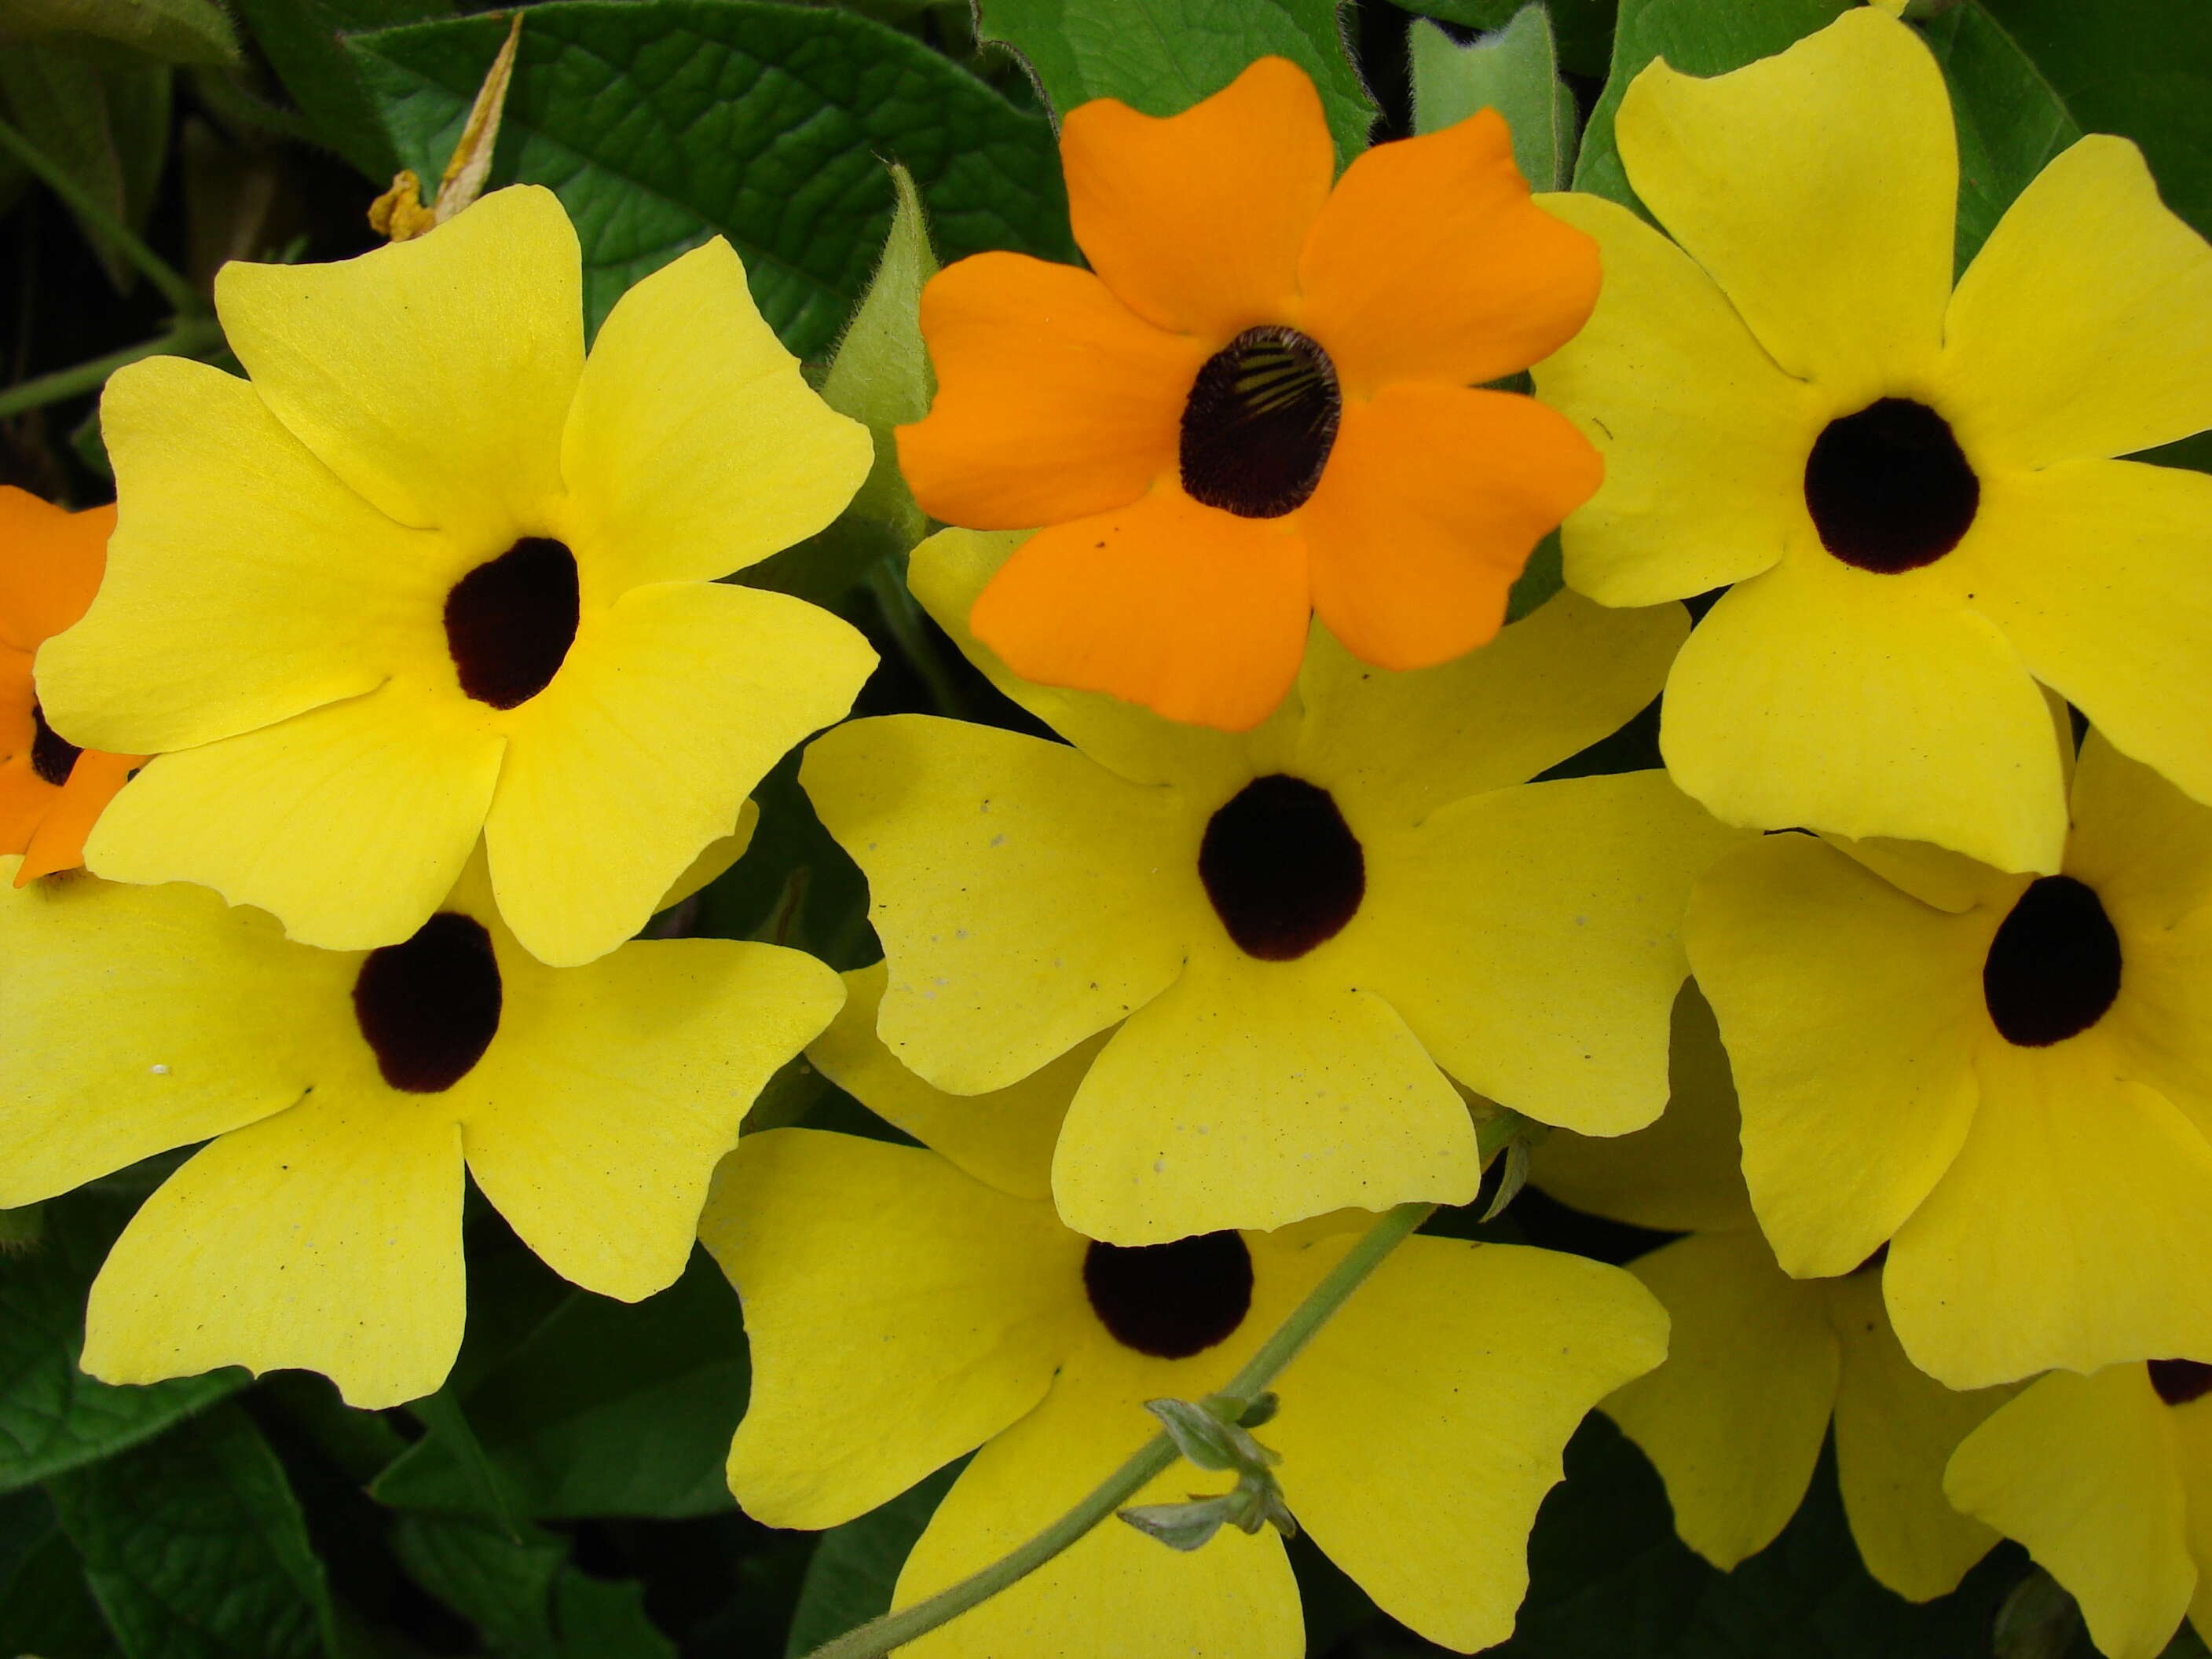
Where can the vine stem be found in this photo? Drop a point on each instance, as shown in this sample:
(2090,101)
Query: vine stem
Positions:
(880,1636)
(190,337)
(157,270)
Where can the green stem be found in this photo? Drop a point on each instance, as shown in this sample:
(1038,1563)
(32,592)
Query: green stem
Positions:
(880,1636)
(188,338)
(179,293)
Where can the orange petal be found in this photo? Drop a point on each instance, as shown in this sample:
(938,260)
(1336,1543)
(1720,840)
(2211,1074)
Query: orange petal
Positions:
(1433,500)
(1197,614)
(1429,263)
(1196,221)
(57,843)
(51,562)
(1055,401)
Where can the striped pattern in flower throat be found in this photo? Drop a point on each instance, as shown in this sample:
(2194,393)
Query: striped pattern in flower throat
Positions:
(1259,422)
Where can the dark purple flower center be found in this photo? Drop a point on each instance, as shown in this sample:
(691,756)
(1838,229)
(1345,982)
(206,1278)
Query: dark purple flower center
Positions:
(1284,870)
(1259,423)
(52,755)
(509,623)
(430,1008)
(1170,1301)
(1889,489)
(2054,967)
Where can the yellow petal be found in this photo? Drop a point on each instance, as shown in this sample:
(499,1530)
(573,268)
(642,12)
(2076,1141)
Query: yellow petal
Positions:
(1933,875)
(1832,698)
(1734,1420)
(434,376)
(348,823)
(1528,937)
(941,1306)
(139,1018)
(244,584)
(1445,1389)
(672,706)
(714,859)
(326,1237)
(1254,1094)
(2084,326)
(2192,1433)
(594,1121)
(1005,874)
(2143,845)
(1705,440)
(1849,1012)
(1003,1139)
(2081,1470)
(1896,1428)
(1818,187)
(695,448)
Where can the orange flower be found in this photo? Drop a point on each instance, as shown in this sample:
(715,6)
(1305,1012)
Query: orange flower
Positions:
(1262,405)
(50,791)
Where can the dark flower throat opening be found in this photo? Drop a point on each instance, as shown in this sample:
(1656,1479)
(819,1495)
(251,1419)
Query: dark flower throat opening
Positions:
(2054,967)
(509,623)
(1283,869)
(1170,1301)
(1889,489)
(1259,422)
(2180,1380)
(52,755)
(430,1008)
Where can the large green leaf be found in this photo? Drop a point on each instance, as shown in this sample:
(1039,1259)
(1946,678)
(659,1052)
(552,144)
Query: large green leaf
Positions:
(302,39)
(173,31)
(44,1606)
(854,1569)
(2011,119)
(1514,71)
(102,117)
(665,122)
(1163,56)
(52,1416)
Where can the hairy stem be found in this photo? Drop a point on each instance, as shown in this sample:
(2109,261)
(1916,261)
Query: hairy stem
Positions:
(188,337)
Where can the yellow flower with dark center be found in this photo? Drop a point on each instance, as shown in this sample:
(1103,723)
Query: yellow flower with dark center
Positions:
(2008,1077)
(1759,1364)
(1299,931)
(1418,1431)
(343,1094)
(431,577)
(2107,1479)
(1911,488)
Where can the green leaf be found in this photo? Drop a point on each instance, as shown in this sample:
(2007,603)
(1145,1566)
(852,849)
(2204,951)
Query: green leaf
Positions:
(1584,29)
(45,1607)
(2011,119)
(603,1619)
(1540,578)
(664,122)
(1698,38)
(195,1547)
(101,118)
(855,1566)
(52,1416)
(1163,56)
(1514,72)
(302,39)
(501,1584)
(881,375)
(173,31)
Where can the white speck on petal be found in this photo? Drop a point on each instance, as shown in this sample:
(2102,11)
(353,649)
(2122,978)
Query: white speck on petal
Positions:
(158,1071)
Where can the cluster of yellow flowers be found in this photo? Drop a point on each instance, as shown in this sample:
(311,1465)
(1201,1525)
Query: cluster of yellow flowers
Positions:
(420,625)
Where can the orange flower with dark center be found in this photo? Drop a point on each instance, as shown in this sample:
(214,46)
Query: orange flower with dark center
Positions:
(50,791)
(1262,402)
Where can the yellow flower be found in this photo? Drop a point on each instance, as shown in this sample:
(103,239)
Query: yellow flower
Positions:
(1295,927)
(1759,1364)
(343,1094)
(2107,1479)
(2009,1078)
(1418,1432)
(1911,488)
(431,577)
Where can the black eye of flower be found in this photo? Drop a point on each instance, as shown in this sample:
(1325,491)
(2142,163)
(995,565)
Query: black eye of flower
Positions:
(1259,422)
(428,1008)
(1889,489)
(509,623)
(1284,870)
(52,755)
(2054,967)
(1170,1301)
(2180,1380)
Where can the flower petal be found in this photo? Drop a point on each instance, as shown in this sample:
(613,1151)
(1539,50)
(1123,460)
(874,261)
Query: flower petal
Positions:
(594,1120)
(1433,500)
(327,1237)
(1197,614)
(1703,440)
(1446,1390)
(672,706)
(1212,1105)
(244,584)
(1196,221)
(1055,401)
(1821,695)
(2084,326)
(941,1305)
(2082,1470)
(1430,263)
(1734,1419)
(50,564)
(1849,1012)
(694,448)
(1527,938)
(1026,897)
(348,823)
(57,843)
(1819,188)
(2074,1229)
(432,376)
